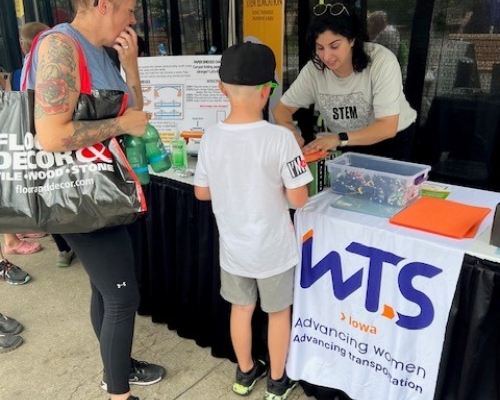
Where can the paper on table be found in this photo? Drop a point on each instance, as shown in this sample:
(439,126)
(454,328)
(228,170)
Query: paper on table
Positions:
(442,217)
(365,206)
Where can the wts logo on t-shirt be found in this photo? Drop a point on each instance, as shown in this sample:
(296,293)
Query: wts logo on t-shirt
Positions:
(297,167)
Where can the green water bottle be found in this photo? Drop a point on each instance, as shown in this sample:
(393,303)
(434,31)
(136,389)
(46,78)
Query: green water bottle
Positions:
(156,153)
(135,150)
(179,153)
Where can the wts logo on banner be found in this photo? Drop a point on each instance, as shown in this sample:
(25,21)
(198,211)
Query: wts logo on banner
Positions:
(370,309)
(375,261)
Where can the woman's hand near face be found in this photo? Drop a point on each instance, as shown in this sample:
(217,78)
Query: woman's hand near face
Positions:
(127,48)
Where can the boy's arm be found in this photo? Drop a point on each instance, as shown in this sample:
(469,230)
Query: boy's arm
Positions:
(297,197)
(202,193)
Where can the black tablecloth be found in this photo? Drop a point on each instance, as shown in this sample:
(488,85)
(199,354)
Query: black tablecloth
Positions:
(470,364)
(177,258)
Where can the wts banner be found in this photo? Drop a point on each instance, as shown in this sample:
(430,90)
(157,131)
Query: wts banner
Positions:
(370,309)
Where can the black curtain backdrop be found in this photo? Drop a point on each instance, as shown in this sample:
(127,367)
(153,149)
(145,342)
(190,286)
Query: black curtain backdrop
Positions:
(175,28)
(417,60)
(470,364)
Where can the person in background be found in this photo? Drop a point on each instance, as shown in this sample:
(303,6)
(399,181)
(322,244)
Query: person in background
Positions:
(9,334)
(356,86)
(26,35)
(60,15)
(65,254)
(9,327)
(379,31)
(14,243)
(258,250)
(107,254)
(11,273)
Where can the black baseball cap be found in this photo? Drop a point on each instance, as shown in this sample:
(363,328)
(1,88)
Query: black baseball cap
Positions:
(247,64)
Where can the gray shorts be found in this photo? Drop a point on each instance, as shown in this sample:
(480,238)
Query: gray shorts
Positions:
(276,292)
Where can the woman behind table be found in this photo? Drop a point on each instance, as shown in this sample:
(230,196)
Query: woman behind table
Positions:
(107,254)
(356,86)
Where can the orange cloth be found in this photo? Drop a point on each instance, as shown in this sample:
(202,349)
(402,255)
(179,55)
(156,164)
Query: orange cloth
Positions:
(442,217)
(317,155)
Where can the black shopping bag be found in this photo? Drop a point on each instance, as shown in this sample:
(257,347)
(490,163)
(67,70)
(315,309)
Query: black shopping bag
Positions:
(66,192)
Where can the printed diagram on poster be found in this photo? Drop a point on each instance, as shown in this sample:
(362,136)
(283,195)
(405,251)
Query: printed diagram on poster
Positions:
(182,93)
(164,101)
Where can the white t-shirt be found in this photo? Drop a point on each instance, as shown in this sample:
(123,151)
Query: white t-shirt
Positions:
(247,167)
(353,102)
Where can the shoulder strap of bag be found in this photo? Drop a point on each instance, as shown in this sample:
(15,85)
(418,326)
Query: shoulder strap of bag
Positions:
(85,80)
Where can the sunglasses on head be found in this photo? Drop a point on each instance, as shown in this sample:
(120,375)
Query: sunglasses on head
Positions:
(335,9)
(271,84)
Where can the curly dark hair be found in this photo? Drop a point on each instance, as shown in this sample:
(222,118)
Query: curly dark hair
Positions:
(346,24)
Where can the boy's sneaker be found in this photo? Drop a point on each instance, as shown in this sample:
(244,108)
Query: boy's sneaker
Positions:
(64,258)
(9,326)
(10,342)
(246,381)
(141,373)
(13,274)
(279,390)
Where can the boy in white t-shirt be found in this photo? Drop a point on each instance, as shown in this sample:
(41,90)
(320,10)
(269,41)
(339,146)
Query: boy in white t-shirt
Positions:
(252,170)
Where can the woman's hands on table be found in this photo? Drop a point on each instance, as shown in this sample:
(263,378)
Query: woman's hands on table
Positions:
(322,144)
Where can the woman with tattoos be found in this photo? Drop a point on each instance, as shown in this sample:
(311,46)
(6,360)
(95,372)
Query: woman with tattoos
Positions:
(107,255)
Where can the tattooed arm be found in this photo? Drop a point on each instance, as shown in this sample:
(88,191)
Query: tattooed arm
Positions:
(57,89)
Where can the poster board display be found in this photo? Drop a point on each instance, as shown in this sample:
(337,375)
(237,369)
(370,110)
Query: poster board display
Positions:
(182,93)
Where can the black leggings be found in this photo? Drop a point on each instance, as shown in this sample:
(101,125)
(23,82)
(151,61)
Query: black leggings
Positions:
(60,243)
(108,258)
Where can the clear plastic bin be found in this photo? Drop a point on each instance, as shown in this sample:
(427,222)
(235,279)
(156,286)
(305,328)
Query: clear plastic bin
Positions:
(377,179)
